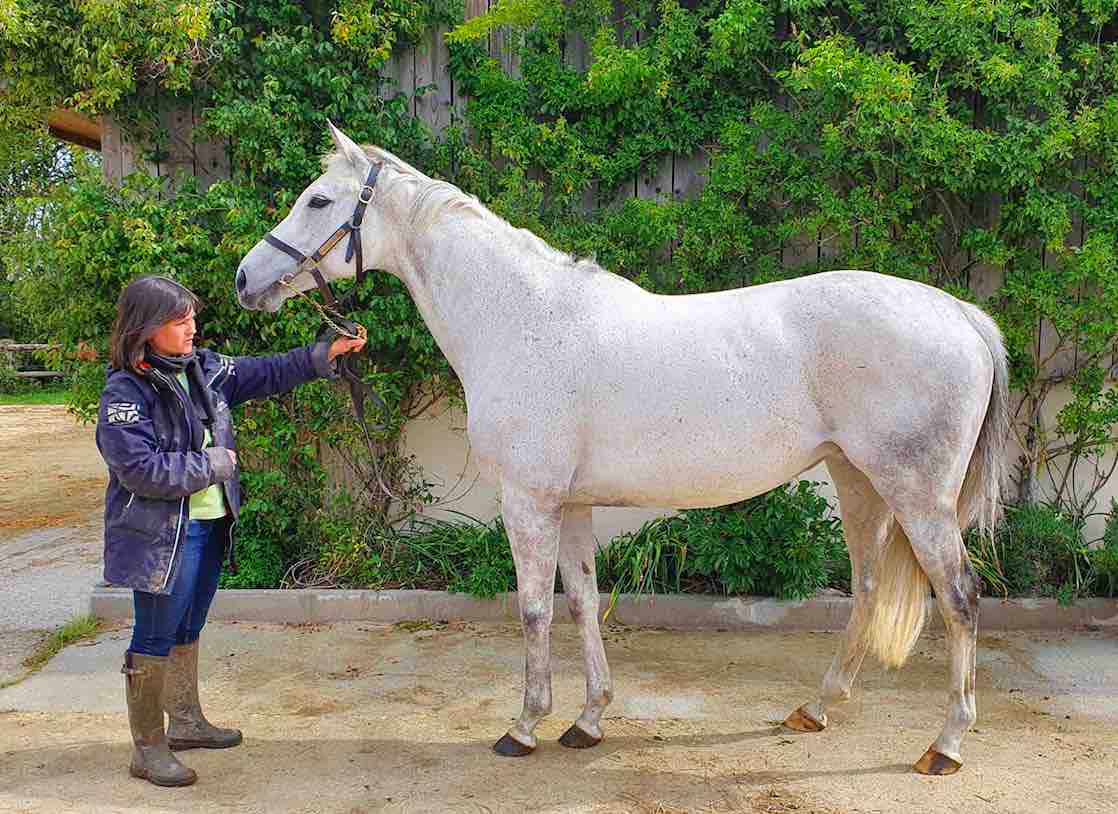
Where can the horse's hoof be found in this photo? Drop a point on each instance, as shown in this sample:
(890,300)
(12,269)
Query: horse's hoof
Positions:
(935,763)
(578,738)
(802,721)
(508,746)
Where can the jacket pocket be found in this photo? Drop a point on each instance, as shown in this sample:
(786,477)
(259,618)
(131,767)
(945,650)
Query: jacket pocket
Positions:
(147,515)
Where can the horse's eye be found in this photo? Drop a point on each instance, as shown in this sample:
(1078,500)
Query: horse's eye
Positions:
(319,201)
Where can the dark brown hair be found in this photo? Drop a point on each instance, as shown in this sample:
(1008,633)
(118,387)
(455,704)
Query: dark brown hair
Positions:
(145,305)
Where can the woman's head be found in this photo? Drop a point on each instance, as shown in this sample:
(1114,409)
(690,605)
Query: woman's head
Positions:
(154,311)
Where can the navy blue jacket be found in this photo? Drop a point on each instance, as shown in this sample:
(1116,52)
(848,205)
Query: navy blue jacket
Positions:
(145,437)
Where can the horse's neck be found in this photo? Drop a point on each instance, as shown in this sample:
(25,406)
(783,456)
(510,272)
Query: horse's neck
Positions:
(476,289)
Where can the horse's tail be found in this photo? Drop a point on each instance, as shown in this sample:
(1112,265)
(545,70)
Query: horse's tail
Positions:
(900,596)
(899,600)
(980,499)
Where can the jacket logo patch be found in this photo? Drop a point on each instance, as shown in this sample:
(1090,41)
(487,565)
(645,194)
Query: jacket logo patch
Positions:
(122,412)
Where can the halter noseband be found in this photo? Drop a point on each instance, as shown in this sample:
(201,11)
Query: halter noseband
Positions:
(353,248)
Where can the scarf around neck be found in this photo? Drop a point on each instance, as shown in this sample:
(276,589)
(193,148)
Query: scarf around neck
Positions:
(198,391)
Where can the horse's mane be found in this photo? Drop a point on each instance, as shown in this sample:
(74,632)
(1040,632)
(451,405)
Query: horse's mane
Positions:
(434,198)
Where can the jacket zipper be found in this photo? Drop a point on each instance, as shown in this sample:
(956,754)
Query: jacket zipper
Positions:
(131,497)
(182,500)
(222,369)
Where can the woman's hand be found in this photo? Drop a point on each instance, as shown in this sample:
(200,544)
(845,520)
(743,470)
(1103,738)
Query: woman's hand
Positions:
(345,345)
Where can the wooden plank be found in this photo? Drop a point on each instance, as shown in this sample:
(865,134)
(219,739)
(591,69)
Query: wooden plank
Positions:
(459,100)
(404,70)
(689,175)
(616,198)
(131,159)
(110,150)
(424,59)
(39,374)
(444,87)
(799,251)
(618,20)
(211,158)
(432,71)
(177,121)
(13,347)
(476,8)
(389,78)
(504,46)
(655,183)
(576,51)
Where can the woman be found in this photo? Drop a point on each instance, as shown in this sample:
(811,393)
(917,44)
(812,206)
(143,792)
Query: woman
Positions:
(165,431)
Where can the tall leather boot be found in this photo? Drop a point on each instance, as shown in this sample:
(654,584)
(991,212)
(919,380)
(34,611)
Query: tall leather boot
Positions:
(189,728)
(151,758)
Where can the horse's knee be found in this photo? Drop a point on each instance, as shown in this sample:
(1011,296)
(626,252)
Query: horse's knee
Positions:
(536,618)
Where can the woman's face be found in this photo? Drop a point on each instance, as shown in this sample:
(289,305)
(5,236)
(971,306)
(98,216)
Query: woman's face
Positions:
(175,338)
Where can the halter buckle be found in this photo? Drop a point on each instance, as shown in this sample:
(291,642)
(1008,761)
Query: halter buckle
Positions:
(361,195)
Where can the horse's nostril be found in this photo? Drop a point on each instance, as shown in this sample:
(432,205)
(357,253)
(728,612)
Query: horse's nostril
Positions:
(242,281)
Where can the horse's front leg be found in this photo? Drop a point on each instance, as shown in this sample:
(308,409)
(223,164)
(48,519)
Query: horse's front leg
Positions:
(533,527)
(576,564)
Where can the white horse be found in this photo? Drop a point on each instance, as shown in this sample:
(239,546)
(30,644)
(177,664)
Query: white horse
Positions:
(584,390)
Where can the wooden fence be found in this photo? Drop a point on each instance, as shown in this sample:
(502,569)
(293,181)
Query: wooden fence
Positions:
(421,74)
(9,351)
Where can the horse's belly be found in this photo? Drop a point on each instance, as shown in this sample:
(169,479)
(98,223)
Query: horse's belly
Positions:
(687,470)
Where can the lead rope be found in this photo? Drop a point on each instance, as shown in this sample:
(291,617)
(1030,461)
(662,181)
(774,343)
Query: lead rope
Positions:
(325,312)
(358,400)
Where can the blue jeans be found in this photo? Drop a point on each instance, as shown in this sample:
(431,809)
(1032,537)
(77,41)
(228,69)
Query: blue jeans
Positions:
(164,620)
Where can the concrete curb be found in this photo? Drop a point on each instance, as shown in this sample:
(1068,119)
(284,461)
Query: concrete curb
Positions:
(665,611)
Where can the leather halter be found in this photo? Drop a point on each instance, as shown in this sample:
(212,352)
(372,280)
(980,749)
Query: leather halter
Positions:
(353,247)
(357,387)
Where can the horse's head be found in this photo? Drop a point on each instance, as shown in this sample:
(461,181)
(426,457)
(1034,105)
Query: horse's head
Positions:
(322,209)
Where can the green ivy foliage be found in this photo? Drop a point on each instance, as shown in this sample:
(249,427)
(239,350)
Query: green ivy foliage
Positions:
(942,141)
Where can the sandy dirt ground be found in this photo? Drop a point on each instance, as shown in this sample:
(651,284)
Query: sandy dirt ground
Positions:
(50,472)
(357,718)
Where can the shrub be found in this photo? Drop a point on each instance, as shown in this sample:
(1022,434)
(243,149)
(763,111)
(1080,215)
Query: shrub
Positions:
(785,543)
(1037,552)
(1104,559)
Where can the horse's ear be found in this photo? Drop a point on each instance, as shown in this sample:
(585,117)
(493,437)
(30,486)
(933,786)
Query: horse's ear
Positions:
(346,147)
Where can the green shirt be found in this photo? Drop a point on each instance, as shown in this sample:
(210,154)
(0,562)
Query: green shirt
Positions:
(208,504)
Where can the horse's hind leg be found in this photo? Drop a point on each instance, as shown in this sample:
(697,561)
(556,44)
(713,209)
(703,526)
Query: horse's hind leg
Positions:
(533,528)
(576,564)
(938,546)
(865,522)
